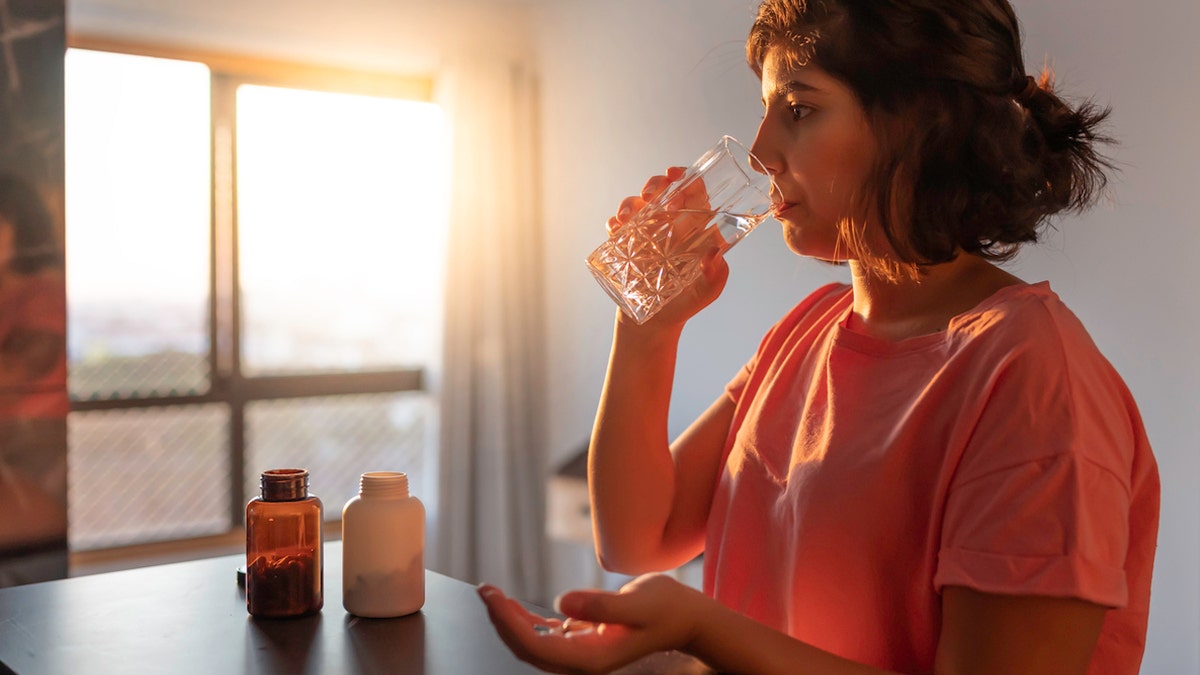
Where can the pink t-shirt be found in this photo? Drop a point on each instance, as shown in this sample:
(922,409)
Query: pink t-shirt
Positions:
(861,476)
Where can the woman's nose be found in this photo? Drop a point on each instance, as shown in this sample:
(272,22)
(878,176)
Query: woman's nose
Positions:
(757,164)
(763,160)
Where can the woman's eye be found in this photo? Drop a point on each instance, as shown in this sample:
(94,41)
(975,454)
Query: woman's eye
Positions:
(799,111)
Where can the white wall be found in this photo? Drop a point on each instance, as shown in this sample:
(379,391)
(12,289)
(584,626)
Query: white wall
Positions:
(404,36)
(632,85)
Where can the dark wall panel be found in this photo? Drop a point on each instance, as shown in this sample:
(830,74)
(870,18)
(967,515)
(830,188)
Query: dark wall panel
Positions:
(33,392)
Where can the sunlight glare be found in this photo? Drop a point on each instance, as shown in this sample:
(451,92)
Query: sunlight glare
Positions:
(342,212)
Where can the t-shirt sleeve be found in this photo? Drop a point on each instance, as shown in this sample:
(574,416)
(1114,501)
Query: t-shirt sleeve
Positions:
(1040,500)
(778,334)
(737,386)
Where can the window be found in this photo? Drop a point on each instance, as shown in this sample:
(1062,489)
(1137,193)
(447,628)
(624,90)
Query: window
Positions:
(254,281)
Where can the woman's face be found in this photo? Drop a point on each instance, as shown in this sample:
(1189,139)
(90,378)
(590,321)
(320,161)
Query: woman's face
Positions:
(815,142)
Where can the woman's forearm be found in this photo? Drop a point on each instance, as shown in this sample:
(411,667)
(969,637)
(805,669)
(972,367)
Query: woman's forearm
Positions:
(730,642)
(631,474)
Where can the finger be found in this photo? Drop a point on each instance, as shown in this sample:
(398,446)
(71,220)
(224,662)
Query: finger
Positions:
(574,627)
(694,195)
(715,269)
(501,605)
(657,184)
(597,607)
(612,225)
(672,174)
(654,186)
(495,599)
(629,206)
(515,630)
(584,647)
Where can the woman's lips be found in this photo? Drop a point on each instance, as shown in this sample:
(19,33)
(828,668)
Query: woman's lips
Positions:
(779,208)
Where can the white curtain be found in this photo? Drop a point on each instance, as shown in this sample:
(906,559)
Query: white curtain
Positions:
(492,456)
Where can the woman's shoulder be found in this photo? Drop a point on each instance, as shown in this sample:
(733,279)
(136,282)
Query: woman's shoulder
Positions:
(1024,312)
(821,308)
(1028,328)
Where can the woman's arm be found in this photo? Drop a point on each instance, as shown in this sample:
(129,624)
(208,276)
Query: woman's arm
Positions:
(982,633)
(653,613)
(650,500)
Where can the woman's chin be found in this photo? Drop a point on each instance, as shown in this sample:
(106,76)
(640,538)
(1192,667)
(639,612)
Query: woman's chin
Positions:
(806,243)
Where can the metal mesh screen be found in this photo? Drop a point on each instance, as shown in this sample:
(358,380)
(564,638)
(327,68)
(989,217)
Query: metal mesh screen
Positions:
(337,439)
(170,373)
(148,474)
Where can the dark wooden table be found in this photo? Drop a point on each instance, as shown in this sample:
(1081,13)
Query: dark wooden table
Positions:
(191,618)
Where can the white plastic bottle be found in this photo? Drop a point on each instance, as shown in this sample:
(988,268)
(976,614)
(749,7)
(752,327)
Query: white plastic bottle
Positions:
(383,548)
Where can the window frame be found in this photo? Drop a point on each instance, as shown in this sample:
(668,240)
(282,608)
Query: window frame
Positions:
(228,385)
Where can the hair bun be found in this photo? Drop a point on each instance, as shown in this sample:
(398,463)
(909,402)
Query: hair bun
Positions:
(1025,89)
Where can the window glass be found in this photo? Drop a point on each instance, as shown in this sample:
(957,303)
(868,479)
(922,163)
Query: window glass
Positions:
(138,221)
(338,438)
(341,214)
(342,210)
(148,474)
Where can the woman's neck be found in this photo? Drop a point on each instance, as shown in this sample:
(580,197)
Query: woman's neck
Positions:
(897,310)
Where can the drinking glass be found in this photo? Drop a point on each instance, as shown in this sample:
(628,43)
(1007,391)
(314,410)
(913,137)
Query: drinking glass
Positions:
(651,259)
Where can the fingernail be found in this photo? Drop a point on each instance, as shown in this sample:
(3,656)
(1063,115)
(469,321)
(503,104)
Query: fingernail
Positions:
(624,212)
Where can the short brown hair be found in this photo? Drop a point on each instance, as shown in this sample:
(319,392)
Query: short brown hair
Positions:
(972,158)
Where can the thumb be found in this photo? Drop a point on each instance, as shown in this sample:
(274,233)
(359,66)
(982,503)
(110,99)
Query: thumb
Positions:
(597,607)
(714,274)
(716,270)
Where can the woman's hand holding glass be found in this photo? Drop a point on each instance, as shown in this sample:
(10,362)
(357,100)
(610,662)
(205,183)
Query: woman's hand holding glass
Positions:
(669,237)
(690,208)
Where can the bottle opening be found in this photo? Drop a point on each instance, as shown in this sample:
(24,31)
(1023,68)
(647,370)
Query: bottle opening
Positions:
(281,485)
(384,484)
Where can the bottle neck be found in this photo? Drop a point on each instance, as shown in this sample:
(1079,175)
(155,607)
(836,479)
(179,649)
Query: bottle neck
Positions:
(284,485)
(391,484)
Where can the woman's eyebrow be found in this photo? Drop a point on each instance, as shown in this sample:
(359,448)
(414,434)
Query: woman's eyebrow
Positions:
(789,87)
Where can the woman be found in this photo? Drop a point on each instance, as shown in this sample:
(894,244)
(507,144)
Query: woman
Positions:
(932,469)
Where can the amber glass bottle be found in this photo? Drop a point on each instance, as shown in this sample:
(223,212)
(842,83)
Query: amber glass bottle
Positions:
(283,547)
